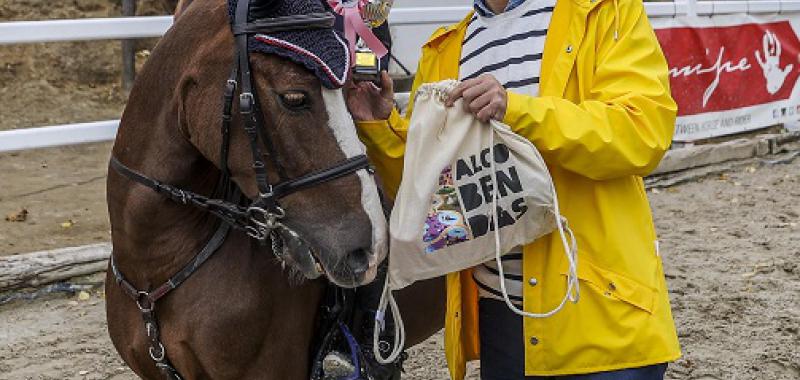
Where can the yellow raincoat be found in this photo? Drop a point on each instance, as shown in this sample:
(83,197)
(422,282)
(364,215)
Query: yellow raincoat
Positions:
(603,119)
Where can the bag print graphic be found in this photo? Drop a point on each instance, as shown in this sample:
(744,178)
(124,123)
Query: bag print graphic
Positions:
(445,224)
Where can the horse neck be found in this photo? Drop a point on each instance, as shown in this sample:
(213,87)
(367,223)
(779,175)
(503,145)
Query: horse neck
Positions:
(149,230)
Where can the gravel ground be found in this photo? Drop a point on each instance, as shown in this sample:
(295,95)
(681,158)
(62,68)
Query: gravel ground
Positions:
(730,243)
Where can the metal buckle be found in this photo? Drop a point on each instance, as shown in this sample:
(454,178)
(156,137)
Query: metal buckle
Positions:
(268,218)
(263,221)
(231,86)
(158,358)
(151,330)
(246,101)
(144,296)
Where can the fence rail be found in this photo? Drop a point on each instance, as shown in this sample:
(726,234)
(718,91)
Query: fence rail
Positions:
(87,29)
(58,135)
(22,32)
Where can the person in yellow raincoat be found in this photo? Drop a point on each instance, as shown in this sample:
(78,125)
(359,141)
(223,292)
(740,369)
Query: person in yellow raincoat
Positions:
(602,117)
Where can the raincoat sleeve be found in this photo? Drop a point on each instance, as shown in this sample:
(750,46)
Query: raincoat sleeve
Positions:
(386,142)
(625,126)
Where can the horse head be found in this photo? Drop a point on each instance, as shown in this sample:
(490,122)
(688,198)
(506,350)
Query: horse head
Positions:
(304,127)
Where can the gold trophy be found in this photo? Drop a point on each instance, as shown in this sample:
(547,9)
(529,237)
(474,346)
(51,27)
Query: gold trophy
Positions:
(368,66)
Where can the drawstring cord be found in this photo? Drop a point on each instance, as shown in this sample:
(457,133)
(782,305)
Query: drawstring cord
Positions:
(572,293)
(387,300)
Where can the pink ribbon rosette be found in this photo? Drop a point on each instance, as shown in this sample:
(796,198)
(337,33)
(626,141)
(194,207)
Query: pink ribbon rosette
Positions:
(355,26)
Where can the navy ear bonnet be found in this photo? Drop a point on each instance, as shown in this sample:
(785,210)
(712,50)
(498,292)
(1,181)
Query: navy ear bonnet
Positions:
(324,52)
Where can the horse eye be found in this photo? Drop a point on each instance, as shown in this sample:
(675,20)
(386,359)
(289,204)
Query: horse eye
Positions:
(294,100)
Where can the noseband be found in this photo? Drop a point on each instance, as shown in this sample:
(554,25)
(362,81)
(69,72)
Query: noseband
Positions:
(262,218)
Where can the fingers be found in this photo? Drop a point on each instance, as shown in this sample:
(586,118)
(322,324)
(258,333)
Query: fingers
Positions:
(472,88)
(766,42)
(457,92)
(760,62)
(483,97)
(479,103)
(468,89)
(489,112)
(371,88)
(387,86)
(489,106)
(777,44)
(471,94)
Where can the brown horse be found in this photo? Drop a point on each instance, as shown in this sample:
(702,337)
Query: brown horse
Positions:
(239,316)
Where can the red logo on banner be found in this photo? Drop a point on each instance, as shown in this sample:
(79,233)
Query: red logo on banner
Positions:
(724,68)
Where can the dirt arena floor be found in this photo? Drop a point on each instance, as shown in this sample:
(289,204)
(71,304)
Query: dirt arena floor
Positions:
(730,243)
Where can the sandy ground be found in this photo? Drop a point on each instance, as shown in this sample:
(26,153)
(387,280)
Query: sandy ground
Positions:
(51,84)
(65,338)
(730,243)
(63,191)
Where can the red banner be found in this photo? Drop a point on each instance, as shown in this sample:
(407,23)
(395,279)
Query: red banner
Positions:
(732,73)
(723,68)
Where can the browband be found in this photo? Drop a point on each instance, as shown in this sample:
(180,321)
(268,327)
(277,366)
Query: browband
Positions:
(285,24)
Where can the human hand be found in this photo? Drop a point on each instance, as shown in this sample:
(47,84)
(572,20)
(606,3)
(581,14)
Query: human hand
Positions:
(367,102)
(483,97)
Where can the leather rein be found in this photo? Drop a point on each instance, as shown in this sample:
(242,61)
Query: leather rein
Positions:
(261,219)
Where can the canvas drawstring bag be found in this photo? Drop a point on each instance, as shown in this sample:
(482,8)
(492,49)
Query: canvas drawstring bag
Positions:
(471,192)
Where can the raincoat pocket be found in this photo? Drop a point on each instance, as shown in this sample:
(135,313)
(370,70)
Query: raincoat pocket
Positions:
(616,286)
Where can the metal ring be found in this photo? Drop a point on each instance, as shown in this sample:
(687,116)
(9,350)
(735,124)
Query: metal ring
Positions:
(251,211)
(158,358)
(255,233)
(143,296)
(259,225)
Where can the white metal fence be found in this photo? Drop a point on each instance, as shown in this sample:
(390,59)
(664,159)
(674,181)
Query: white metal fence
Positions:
(405,21)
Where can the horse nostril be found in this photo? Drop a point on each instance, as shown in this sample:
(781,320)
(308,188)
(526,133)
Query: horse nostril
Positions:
(358,261)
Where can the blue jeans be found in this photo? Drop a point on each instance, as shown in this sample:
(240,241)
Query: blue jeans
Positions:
(503,351)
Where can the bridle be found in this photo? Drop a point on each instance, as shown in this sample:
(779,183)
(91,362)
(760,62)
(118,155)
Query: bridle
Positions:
(261,219)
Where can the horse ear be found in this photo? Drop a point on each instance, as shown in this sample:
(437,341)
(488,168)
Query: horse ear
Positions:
(263,8)
(182,5)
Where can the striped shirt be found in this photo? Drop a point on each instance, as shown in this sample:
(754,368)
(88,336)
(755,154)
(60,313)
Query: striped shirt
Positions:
(485,11)
(508,46)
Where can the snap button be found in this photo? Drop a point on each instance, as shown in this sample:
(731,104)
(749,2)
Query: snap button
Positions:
(533,281)
(611,286)
(569,48)
(534,341)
